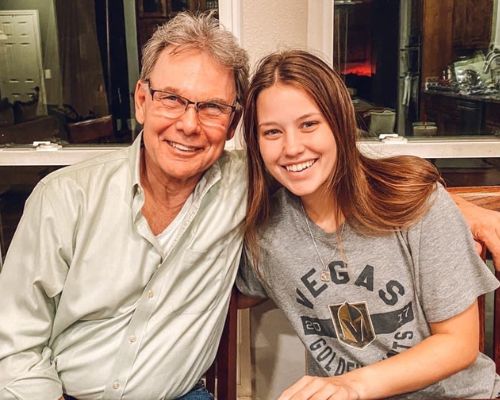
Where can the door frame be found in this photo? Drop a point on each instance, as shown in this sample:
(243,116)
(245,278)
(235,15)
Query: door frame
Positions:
(42,100)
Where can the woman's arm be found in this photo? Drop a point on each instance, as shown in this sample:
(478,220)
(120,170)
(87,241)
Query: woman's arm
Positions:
(484,224)
(453,346)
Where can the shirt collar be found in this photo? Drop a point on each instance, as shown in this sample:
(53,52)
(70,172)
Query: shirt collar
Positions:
(134,158)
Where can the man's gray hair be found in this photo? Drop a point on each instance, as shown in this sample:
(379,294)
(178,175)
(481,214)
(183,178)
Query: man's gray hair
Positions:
(203,32)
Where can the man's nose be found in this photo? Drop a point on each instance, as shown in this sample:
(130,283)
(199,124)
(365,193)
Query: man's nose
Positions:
(189,122)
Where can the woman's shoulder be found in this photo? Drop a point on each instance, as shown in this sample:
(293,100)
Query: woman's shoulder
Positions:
(441,219)
(441,205)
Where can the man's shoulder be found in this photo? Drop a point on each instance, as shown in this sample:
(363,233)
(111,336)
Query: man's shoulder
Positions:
(91,168)
(233,158)
(233,166)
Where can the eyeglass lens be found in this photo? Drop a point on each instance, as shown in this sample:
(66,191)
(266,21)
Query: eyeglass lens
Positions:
(209,113)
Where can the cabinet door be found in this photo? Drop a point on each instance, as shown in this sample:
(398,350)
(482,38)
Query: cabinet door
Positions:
(443,111)
(492,119)
(472,24)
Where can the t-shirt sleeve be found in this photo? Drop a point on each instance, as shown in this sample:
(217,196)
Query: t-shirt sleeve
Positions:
(246,280)
(450,275)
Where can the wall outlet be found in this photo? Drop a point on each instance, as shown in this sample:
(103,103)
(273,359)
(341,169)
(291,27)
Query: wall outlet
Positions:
(47,73)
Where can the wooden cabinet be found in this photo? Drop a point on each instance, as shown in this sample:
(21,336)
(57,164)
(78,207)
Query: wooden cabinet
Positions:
(492,119)
(458,115)
(152,13)
(453,115)
(451,28)
(472,24)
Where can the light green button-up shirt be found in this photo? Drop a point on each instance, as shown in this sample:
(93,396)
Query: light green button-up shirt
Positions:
(91,305)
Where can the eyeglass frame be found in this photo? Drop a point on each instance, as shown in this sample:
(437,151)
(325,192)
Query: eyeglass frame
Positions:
(189,102)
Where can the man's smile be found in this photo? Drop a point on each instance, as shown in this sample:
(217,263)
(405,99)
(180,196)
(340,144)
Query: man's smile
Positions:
(183,148)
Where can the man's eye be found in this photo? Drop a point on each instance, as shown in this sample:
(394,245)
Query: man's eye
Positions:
(168,99)
(172,98)
(211,107)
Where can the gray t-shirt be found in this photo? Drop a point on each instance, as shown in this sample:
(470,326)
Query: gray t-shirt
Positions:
(382,293)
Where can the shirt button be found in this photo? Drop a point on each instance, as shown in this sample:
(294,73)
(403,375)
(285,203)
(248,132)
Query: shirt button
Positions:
(132,338)
(158,267)
(150,294)
(116,385)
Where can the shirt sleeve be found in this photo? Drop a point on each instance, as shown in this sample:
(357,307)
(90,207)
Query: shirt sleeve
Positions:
(247,281)
(31,281)
(450,275)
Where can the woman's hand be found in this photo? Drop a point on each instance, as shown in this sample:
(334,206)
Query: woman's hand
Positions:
(452,346)
(316,388)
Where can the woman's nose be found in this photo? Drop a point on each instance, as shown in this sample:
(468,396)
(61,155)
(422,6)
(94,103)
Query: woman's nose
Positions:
(293,144)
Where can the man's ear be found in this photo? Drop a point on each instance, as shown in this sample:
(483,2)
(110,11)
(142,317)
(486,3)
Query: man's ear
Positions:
(140,102)
(234,123)
(230,134)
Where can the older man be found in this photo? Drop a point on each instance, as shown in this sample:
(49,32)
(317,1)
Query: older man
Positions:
(117,281)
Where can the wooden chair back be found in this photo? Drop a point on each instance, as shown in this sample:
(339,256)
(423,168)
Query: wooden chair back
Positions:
(220,379)
(487,197)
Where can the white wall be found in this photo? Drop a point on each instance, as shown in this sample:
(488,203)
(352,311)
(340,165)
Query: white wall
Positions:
(263,26)
(270,25)
(277,353)
(267,26)
(495,24)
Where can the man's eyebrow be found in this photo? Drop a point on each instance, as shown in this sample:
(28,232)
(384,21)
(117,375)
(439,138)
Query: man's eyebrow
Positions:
(170,89)
(209,100)
(218,100)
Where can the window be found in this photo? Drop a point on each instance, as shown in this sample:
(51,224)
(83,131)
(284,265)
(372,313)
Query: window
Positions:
(68,69)
(421,67)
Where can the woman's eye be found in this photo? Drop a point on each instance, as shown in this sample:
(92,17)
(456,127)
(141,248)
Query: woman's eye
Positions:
(271,132)
(309,124)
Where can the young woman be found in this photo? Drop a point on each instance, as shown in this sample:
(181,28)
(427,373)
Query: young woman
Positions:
(369,258)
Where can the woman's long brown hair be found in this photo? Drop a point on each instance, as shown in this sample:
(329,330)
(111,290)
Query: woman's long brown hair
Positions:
(376,196)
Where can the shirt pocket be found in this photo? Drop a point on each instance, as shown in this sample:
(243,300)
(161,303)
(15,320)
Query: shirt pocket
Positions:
(198,285)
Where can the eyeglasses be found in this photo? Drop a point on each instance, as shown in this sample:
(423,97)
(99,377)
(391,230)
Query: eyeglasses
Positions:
(174,105)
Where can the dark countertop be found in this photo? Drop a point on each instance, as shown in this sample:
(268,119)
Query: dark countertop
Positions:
(481,98)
